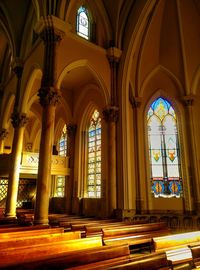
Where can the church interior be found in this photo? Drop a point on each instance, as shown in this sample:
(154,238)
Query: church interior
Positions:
(99,134)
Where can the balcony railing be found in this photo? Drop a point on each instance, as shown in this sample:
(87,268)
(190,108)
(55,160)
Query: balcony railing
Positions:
(29,164)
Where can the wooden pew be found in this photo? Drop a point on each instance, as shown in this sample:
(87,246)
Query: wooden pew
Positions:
(176,247)
(94,230)
(174,241)
(12,235)
(78,258)
(134,235)
(30,241)
(195,251)
(18,228)
(153,261)
(146,262)
(12,256)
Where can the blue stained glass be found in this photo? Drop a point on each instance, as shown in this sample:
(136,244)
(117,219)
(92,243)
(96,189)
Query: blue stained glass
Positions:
(164,149)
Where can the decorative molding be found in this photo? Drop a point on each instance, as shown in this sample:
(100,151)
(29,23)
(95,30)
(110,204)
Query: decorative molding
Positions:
(3,134)
(71,130)
(111,114)
(18,120)
(188,100)
(48,96)
(114,54)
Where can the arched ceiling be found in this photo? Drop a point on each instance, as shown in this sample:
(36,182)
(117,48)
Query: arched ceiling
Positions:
(170,38)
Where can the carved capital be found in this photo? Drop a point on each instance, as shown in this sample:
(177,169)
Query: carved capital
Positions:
(17,66)
(49,35)
(135,102)
(29,147)
(114,54)
(71,129)
(19,120)
(111,114)
(48,96)
(3,134)
(188,100)
(51,29)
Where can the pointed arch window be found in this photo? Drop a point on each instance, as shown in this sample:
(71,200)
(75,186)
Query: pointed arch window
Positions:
(83,23)
(164,150)
(63,143)
(94,157)
(62,151)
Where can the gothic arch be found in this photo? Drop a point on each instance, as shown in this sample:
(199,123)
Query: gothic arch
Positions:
(169,75)
(35,73)
(84,63)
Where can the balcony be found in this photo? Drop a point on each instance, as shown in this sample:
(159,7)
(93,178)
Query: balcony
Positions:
(29,164)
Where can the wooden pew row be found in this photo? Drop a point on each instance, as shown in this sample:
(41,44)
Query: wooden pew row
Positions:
(22,255)
(135,236)
(97,227)
(30,241)
(195,250)
(147,262)
(173,241)
(12,235)
(176,247)
(22,228)
(117,254)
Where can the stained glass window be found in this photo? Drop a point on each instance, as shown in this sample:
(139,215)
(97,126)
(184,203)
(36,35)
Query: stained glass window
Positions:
(63,142)
(62,151)
(164,151)
(94,156)
(82,23)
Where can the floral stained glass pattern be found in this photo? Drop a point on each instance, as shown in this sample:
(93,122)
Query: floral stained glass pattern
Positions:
(94,156)
(164,152)
(83,23)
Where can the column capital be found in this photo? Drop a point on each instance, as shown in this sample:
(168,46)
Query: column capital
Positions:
(19,119)
(51,28)
(71,129)
(48,96)
(111,114)
(188,100)
(114,54)
(3,133)
(135,101)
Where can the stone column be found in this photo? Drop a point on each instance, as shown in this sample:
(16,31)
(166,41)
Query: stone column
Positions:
(111,117)
(136,102)
(69,185)
(194,193)
(114,55)
(49,97)
(18,122)
(3,135)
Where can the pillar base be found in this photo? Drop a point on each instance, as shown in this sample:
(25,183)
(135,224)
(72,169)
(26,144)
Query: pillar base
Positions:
(10,215)
(8,220)
(41,222)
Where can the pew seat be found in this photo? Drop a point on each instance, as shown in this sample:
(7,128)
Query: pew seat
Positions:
(134,235)
(12,256)
(78,258)
(175,241)
(32,240)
